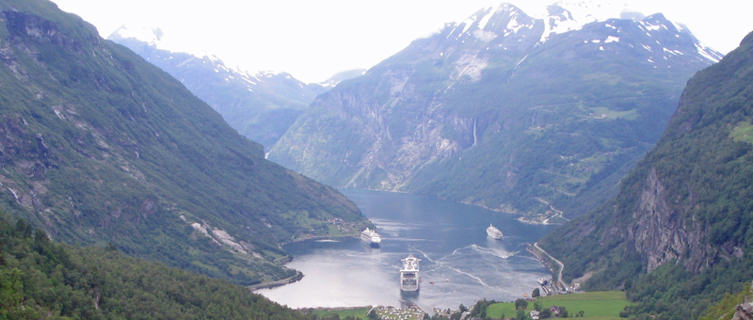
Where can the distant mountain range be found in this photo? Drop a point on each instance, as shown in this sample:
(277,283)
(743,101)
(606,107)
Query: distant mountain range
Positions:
(538,116)
(679,234)
(547,117)
(99,147)
(259,106)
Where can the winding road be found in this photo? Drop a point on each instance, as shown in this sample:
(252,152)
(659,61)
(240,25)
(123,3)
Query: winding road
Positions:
(562,265)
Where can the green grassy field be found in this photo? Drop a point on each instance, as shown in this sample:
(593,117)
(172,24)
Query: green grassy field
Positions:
(358,313)
(600,305)
(743,132)
(495,311)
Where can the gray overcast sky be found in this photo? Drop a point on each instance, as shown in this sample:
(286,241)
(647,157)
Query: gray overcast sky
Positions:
(314,39)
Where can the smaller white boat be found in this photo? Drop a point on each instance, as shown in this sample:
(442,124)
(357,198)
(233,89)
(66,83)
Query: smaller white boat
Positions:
(371,237)
(493,232)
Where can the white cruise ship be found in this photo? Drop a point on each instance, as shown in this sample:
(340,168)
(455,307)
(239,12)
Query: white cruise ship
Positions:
(409,278)
(493,232)
(371,237)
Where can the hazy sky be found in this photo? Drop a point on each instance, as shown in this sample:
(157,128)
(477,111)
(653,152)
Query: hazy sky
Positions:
(313,39)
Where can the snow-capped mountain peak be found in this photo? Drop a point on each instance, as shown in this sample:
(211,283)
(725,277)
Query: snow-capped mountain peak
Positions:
(150,35)
(587,11)
(569,15)
(560,20)
(153,38)
(491,22)
(657,24)
(560,17)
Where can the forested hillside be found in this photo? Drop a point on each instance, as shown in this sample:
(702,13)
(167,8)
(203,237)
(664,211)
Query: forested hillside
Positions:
(679,235)
(43,279)
(98,146)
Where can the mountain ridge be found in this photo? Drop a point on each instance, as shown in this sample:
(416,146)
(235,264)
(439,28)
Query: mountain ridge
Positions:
(677,235)
(473,114)
(259,106)
(99,146)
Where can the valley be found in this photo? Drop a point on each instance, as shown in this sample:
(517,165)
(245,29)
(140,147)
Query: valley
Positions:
(459,262)
(514,164)
(502,111)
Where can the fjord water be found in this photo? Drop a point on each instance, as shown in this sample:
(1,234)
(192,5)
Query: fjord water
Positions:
(459,263)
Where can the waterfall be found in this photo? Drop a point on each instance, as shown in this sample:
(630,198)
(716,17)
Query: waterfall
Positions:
(475,138)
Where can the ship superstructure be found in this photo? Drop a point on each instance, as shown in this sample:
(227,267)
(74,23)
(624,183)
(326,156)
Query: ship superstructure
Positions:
(409,277)
(493,232)
(371,237)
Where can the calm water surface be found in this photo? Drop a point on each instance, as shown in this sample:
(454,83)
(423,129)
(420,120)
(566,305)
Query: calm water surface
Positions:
(459,264)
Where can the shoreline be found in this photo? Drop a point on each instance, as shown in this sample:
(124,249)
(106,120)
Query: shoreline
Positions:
(335,237)
(276,283)
(298,275)
(511,211)
(541,255)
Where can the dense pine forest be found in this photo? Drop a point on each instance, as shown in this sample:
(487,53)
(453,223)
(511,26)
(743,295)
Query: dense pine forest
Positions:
(40,278)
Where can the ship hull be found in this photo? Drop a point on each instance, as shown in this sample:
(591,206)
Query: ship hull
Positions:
(410,280)
(408,294)
(494,233)
(371,238)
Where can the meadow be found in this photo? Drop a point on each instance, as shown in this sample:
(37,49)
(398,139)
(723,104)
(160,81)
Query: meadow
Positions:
(600,305)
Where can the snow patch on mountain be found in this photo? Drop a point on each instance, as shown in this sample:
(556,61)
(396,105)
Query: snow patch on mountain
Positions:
(651,26)
(708,53)
(155,38)
(341,76)
(514,25)
(558,21)
(478,24)
(485,20)
(484,35)
(673,52)
(470,65)
(658,23)
(491,26)
(570,15)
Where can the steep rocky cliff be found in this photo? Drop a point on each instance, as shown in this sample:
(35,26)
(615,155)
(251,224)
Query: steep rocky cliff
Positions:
(681,227)
(659,235)
(503,110)
(98,146)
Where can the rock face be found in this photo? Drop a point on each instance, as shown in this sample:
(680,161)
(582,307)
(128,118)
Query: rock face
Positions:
(686,206)
(259,106)
(660,235)
(743,312)
(98,146)
(503,110)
